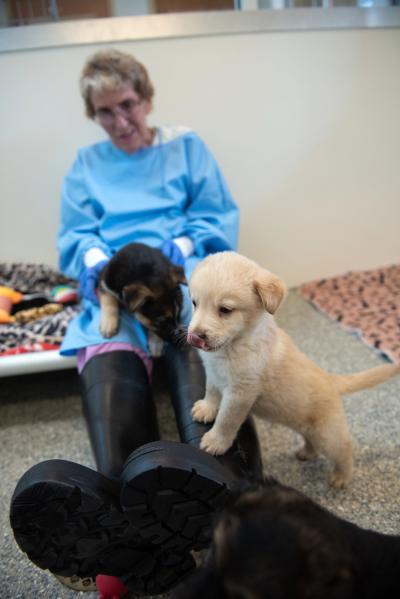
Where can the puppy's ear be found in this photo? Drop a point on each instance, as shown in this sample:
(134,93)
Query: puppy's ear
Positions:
(178,275)
(270,289)
(134,295)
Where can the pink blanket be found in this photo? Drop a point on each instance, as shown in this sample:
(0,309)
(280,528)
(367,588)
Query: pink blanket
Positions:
(363,302)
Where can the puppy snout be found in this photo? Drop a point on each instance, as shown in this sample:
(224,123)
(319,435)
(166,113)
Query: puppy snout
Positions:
(202,335)
(198,339)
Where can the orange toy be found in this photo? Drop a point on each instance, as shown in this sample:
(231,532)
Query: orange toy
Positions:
(8,297)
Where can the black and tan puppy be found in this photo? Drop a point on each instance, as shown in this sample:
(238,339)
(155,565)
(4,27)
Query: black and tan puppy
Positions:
(144,282)
(273,542)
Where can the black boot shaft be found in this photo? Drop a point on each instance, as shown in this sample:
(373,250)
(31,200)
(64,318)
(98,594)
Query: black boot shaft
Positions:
(118,407)
(187,382)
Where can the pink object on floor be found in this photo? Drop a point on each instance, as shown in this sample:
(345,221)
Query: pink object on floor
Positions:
(365,302)
(110,587)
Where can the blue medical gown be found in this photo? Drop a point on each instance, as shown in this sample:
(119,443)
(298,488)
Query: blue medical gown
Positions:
(110,198)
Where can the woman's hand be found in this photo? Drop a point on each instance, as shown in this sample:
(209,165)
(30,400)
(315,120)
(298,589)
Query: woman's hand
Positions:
(89,279)
(173,252)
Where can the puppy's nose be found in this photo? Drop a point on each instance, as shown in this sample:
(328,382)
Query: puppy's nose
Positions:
(202,335)
(198,339)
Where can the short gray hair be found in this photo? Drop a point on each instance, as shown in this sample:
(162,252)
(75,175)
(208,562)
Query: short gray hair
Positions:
(110,69)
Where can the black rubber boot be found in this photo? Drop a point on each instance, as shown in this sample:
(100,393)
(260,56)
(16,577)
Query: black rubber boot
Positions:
(186,379)
(74,521)
(171,491)
(118,407)
(67,518)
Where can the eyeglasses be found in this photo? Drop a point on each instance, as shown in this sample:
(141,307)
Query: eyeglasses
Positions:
(106,116)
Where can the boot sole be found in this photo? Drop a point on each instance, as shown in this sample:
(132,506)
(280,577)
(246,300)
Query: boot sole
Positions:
(71,520)
(171,492)
(68,520)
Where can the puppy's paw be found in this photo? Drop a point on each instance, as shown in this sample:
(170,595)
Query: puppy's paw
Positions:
(214,443)
(203,411)
(337,480)
(109,327)
(304,454)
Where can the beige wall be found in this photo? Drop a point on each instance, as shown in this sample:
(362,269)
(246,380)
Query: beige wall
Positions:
(305,126)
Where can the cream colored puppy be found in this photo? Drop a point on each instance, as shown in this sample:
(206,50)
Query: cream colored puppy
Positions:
(253,366)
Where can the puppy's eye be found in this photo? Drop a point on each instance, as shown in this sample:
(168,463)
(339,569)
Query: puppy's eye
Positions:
(225,311)
(148,303)
(194,304)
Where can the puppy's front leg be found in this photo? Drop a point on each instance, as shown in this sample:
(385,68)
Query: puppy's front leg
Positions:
(109,316)
(232,413)
(205,410)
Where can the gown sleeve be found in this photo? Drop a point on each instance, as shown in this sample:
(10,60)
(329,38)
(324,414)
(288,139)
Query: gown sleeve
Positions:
(212,215)
(79,228)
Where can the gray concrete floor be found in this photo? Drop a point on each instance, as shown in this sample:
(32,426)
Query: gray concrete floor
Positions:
(41,418)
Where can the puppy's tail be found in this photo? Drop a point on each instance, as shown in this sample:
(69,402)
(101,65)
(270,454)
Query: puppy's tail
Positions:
(346,384)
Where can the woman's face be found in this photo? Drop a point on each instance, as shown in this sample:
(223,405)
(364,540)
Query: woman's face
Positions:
(123,115)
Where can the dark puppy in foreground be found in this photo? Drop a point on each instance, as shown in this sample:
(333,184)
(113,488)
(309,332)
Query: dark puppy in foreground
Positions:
(273,542)
(144,282)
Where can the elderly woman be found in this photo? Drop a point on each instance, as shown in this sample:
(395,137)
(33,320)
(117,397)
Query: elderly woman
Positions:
(142,512)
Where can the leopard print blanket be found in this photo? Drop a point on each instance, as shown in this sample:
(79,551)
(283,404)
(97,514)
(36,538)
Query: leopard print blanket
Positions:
(44,333)
(363,302)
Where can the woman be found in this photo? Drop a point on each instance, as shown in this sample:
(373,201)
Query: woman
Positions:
(162,187)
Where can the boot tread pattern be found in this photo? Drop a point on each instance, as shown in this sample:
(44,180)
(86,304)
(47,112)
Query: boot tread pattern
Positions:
(69,532)
(173,509)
